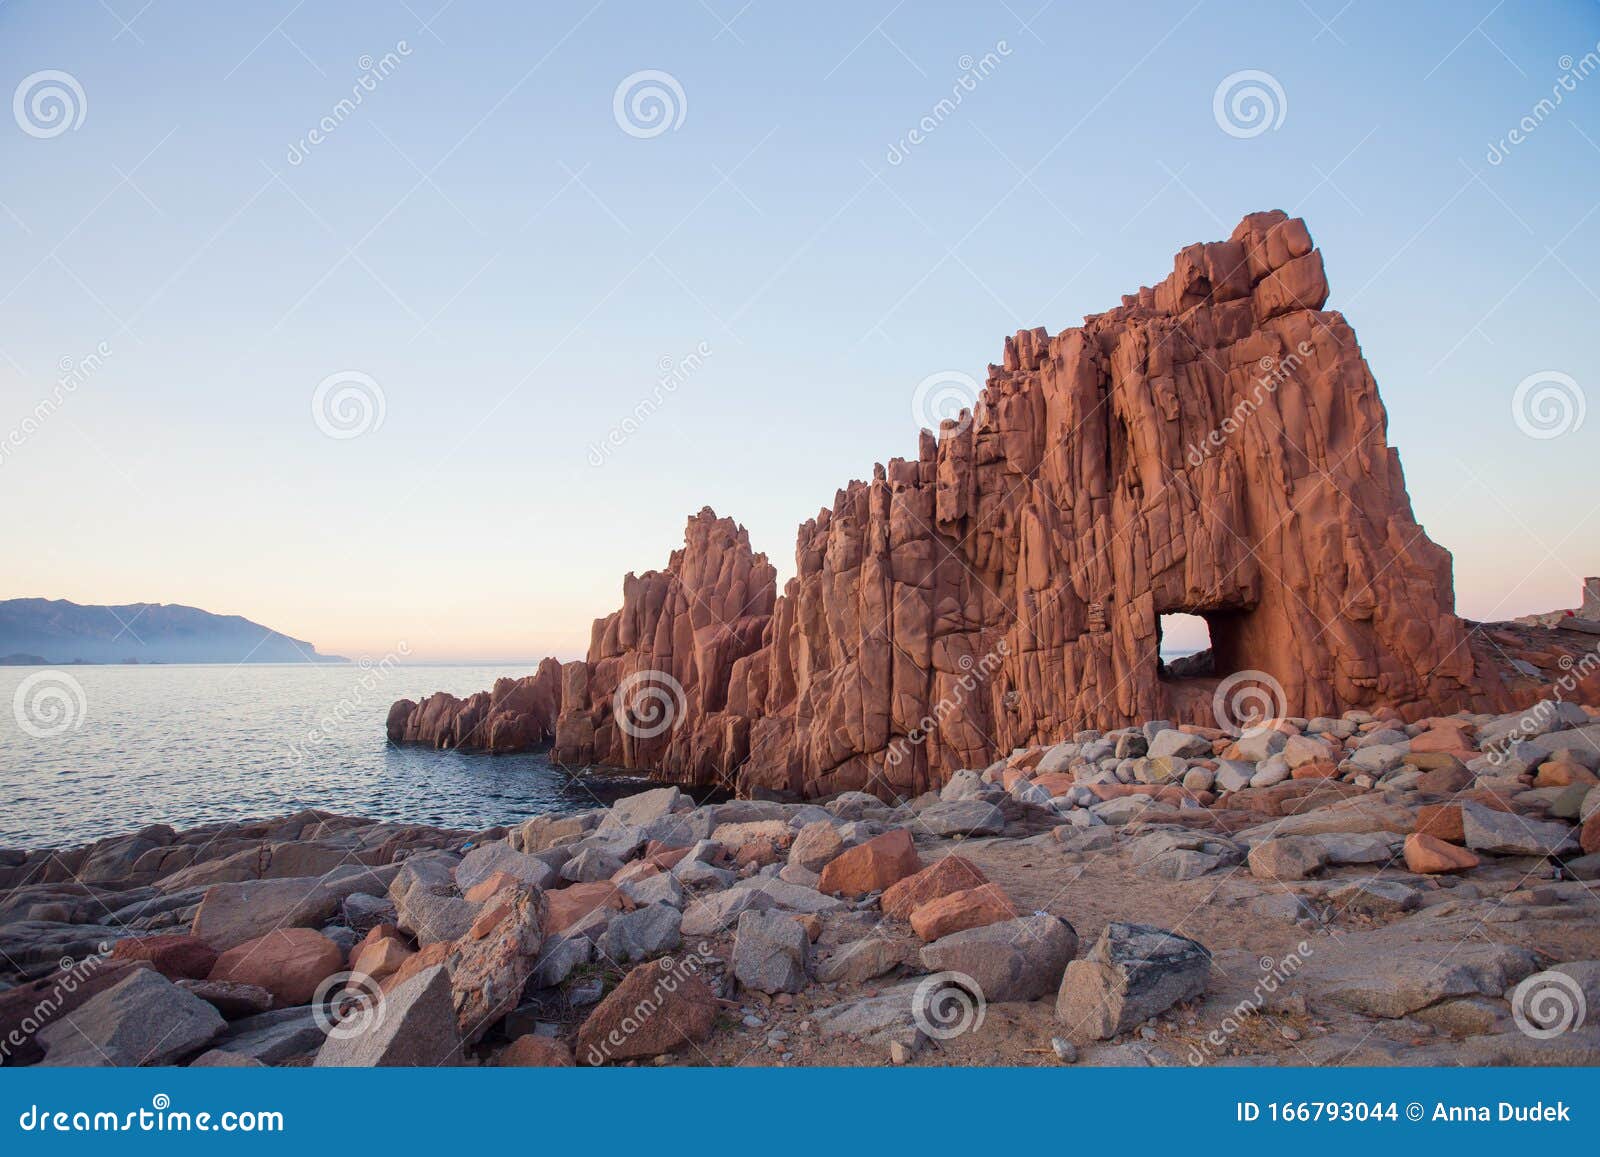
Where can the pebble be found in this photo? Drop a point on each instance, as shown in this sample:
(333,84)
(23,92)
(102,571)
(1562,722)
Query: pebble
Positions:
(898,1053)
(1290,1033)
(752,1022)
(1065,1051)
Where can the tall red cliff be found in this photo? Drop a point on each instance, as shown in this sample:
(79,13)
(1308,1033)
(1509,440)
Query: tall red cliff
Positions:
(1215,445)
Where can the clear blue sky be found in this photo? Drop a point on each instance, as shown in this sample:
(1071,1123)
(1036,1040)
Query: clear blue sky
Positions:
(483,240)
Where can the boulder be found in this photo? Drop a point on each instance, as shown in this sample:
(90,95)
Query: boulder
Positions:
(771,952)
(1288,858)
(143,1019)
(872,866)
(289,963)
(1430,856)
(1509,834)
(953,873)
(175,957)
(958,911)
(862,960)
(1132,973)
(962,818)
(641,934)
(660,1007)
(233,913)
(492,962)
(414,1025)
(815,845)
(485,860)
(1021,959)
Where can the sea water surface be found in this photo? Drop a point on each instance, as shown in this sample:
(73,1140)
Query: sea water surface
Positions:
(90,751)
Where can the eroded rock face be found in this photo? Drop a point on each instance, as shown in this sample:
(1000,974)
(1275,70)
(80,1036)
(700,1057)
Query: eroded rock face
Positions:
(1214,445)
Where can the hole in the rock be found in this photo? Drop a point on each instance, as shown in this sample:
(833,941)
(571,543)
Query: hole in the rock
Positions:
(1183,646)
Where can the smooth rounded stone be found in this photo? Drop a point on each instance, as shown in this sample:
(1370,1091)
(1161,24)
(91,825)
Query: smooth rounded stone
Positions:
(591,865)
(1160,769)
(1020,959)
(1170,741)
(661,888)
(771,952)
(1270,771)
(1233,775)
(1303,749)
(289,963)
(1132,744)
(418,1028)
(795,874)
(963,785)
(1258,746)
(1066,1052)
(1028,792)
(642,933)
(962,818)
(643,808)
(692,873)
(1199,779)
(862,960)
(364,912)
(1132,973)
(485,860)
(1376,758)
(792,897)
(1057,758)
(1382,737)
(1288,858)
(1510,834)
(815,845)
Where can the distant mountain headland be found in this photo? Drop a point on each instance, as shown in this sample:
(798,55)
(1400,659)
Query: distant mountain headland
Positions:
(39,631)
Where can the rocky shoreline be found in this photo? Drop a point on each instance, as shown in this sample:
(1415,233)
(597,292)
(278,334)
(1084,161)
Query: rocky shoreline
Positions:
(1336,890)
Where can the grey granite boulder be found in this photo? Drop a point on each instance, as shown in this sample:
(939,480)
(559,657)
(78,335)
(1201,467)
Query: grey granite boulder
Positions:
(1011,960)
(1133,972)
(142,1020)
(771,952)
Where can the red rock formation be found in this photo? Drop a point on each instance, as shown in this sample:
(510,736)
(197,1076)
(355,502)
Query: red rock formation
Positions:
(1215,445)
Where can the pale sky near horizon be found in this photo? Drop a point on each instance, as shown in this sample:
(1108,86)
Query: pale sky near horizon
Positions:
(484,240)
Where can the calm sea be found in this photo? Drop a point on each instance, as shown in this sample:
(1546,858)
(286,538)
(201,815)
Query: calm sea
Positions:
(87,752)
